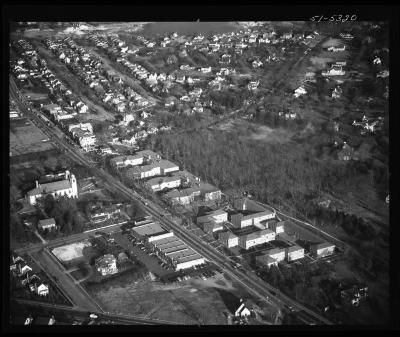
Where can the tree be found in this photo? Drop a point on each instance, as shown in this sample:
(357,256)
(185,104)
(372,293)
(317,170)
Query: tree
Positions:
(51,163)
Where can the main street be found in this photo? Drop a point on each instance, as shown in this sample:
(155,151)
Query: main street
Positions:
(250,281)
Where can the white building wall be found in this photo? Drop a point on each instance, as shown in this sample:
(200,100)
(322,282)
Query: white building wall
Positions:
(189,264)
(278,256)
(299,254)
(159,237)
(164,171)
(133,162)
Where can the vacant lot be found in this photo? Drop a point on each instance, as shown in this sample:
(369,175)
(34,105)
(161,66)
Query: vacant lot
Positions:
(70,252)
(256,132)
(194,301)
(25,137)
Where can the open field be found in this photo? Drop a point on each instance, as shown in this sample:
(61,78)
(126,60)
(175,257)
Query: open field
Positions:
(255,132)
(70,252)
(194,301)
(25,137)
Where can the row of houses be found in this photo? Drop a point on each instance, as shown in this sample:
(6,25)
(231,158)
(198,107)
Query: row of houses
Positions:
(369,124)
(93,73)
(22,272)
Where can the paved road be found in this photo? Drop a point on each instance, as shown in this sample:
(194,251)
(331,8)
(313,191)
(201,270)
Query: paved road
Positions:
(60,311)
(249,281)
(79,297)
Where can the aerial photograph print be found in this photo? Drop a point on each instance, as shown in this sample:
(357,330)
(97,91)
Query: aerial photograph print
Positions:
(199,172)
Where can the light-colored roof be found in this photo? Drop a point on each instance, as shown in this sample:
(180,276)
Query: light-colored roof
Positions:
(156,181)
(46,222)
(105,260)
(257,215)
(183,193)
(50,187)
(275,251)
(257,234)
(227,235)
(323,245)
(149,229)
(294,248)
(166,164)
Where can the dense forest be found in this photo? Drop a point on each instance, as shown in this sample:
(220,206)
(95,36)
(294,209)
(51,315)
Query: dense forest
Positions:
(270,171)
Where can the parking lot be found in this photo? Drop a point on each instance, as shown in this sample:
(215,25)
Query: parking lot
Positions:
(162,269)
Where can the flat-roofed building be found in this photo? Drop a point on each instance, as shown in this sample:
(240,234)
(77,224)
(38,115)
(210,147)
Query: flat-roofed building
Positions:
(167,167)
(181,255)
(218,216)
(246,204)
(294,253)
(141,157)
(145,171)
(322,249)
(162,183)
(151,231)
(277,227)
(278,254)
(266,261)
(210,192)
(239,220)
(186,177)
(256,238)
(183,197)
(228,239)
(212,226)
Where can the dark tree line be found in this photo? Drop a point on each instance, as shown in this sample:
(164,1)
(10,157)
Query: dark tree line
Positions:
(64,211)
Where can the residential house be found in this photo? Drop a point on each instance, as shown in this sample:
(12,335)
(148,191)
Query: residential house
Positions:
(278,254)
(299,92)
(106,265)
(41,289)
(243,310)
(347,153)
(253,85)
(48,224)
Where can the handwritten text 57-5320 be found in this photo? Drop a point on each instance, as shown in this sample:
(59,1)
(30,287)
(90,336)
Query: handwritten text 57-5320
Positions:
(334,18)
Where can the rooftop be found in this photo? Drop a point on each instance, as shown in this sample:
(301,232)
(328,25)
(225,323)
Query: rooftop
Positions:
(46,222)
(274,251)
(149,229)
(323,245)
(166,164)
(257,234)
(294,248)
(50,187)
